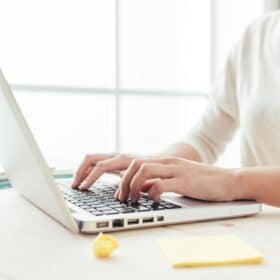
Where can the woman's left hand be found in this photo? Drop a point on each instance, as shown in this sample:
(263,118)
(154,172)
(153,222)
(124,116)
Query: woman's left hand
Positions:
(170,174)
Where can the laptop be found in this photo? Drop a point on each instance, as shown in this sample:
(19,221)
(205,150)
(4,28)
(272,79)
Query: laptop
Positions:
(94,210)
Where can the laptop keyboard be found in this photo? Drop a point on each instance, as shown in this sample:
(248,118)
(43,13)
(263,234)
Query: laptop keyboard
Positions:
(99,200)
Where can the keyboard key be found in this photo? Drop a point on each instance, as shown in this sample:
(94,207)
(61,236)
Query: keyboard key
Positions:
(147,203)
(115,202)
(139,207)
(158,207)
(96,213)
(125,210)
(104,208)
(110,212)
(170,206)
(86,207)
(88,199)
(95,203)
(142,209)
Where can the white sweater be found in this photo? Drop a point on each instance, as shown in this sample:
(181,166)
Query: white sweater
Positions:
(246,95)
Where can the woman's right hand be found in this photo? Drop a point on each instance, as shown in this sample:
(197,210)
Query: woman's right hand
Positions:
(95,165)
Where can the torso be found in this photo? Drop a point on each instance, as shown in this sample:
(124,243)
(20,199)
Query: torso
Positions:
(258,93)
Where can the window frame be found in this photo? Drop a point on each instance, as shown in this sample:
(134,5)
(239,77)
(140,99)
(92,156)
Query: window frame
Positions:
(118,91)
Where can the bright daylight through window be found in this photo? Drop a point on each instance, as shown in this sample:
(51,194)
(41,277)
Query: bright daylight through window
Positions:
(127,75)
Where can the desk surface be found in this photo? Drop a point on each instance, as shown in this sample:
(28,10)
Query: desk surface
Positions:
(33,246)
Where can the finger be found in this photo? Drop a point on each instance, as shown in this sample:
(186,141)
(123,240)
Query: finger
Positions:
(82,171)
(161,186)
(89,161)
(117,193)
(87,173)
(101,167)
(149,171)
(130,172)
(146,187)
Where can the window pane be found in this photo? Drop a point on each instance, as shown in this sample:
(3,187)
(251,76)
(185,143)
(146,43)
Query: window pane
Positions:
(232,18)
(67,126)
(165,44)
(150,124)
(63,42)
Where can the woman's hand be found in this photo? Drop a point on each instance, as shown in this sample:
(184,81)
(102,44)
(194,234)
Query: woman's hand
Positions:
(95,165)
(158,175)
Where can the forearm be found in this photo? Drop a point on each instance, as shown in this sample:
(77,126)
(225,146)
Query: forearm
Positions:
(182,150)
(259,183)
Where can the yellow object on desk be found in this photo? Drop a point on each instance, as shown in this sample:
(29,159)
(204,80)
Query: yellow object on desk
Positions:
(104,245)
(208,251)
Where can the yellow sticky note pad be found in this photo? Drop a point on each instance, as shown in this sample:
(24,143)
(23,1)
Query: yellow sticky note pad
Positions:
(208,251)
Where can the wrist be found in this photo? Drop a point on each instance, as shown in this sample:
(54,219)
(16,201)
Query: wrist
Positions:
(240,190)
(226,181)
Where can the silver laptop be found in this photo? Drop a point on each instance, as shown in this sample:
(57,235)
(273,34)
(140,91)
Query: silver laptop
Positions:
(94,210)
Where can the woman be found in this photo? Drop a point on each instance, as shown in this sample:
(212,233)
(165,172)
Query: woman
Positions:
(245,96)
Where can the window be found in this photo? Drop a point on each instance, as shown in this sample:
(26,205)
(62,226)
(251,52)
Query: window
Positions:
(97,76)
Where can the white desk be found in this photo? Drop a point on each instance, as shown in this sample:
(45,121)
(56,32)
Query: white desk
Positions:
(33,246)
